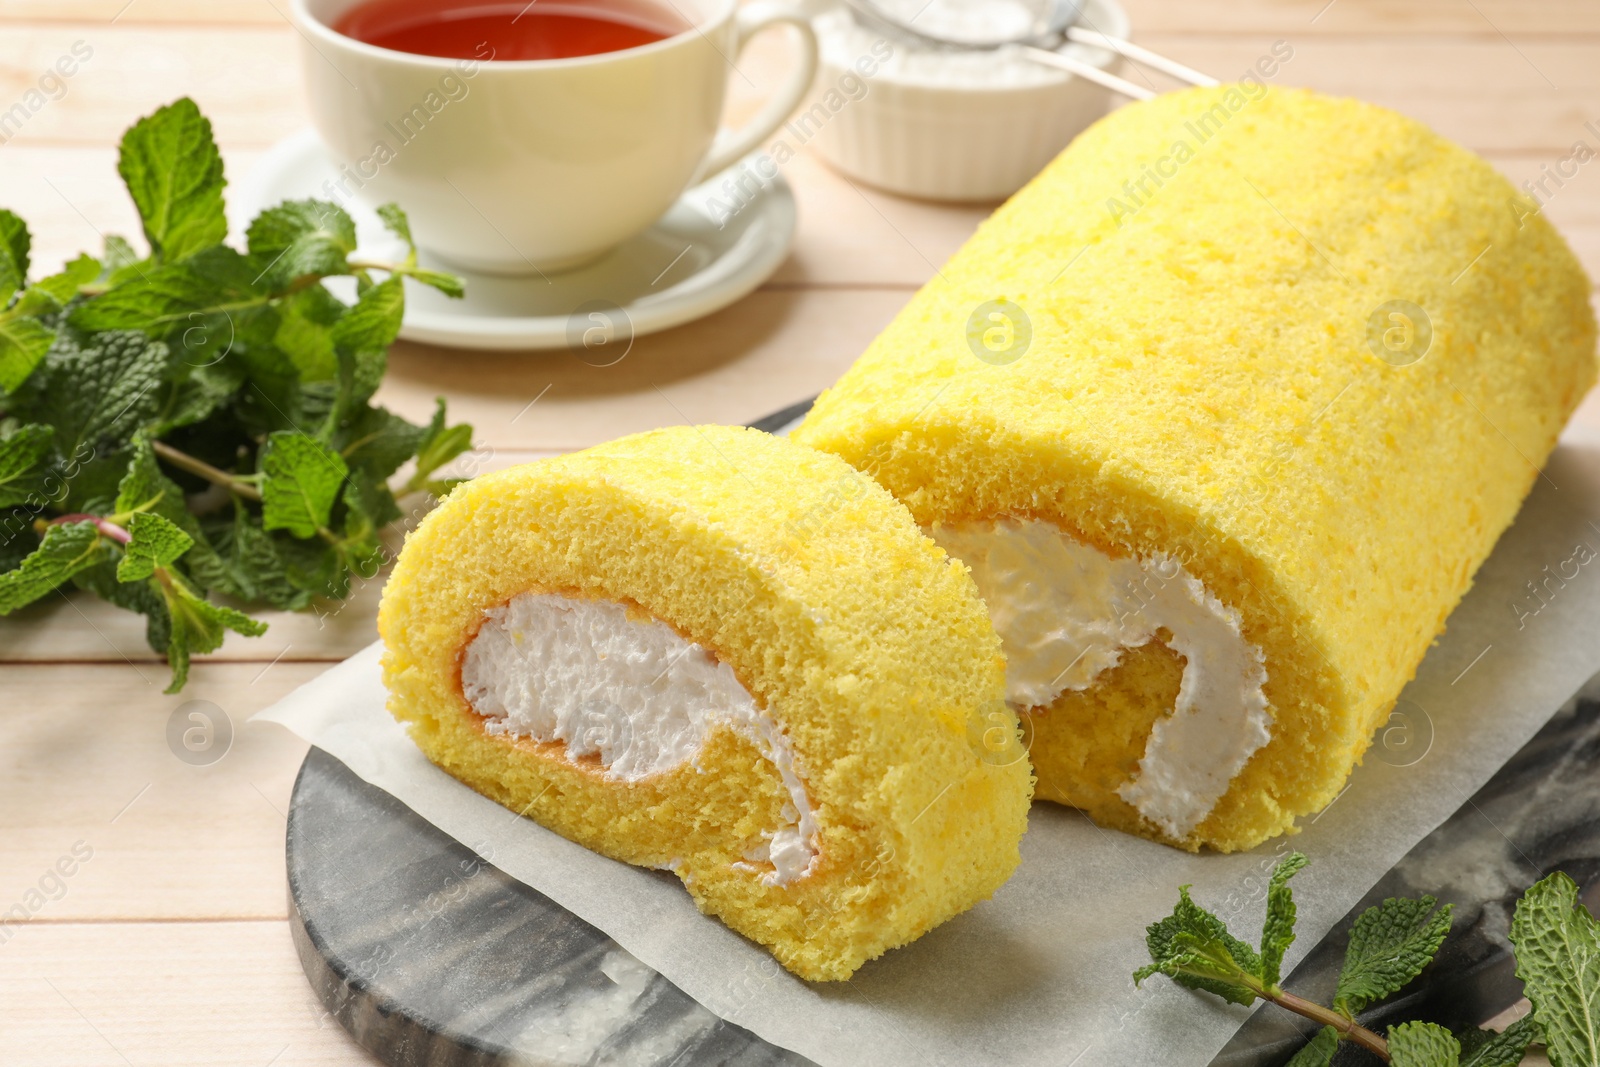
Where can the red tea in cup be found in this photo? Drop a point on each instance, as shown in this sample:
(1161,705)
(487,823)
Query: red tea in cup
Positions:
(502,30)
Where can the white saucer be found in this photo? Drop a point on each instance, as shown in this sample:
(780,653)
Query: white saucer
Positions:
(682,268)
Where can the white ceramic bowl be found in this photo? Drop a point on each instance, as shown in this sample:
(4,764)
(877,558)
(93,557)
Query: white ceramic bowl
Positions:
(943,131)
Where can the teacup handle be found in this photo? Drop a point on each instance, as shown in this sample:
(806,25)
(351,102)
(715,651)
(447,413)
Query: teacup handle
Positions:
(732,145)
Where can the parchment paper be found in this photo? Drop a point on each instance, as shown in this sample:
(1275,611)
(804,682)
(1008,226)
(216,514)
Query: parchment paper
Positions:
(1040,974)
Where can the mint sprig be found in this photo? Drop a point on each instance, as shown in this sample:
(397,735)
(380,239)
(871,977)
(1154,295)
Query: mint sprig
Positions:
(1194,948)
(197,420)
(1557,944)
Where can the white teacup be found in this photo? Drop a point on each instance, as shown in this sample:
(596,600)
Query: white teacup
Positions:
(516,167)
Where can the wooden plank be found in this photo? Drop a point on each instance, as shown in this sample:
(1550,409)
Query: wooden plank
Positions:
(246,79)
(1568,190)
(89,767)
(1489,92)
(175,994)
(1299,18)
(134,12)
(1483,18)
(1491,95)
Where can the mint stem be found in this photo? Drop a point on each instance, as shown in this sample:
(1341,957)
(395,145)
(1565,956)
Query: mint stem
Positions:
(370,264)
(200,468)
(1348,1028)
(106,529)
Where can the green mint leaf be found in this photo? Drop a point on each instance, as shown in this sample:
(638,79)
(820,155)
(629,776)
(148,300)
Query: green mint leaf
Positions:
(89,477)
(198,626)
(1209,964)
(448,284)
(1191,942)
(178,297)
(395,221)
(302,481)
(84,270)
(440,444)
(316,567)
(142,597)
(15,242)
(195,395)
(64,551)
(22,465)
(302,238)
(360,374)
(1319,1051)
(1277,933)
(362,340)
(173,171)
(1485,1048)
(143,487)
(18,538)
(119,256)
(24,343)
(304,333)
(374,323)
(245,564)
(307,343)
(1423,1045)
(35,303)
(273,398)
(206,337)
(369,507)
(1390,944)
(156,543)
(378,442)
(97,389)
(1558,959)
(372,506)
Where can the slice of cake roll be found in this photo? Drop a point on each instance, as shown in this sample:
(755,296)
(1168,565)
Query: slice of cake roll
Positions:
(714,652)
(1224,410)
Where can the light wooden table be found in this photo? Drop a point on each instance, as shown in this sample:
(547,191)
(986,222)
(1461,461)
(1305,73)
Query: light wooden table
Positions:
(169,945)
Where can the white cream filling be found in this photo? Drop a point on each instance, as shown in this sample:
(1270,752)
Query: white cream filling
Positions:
(1065,611)
(635,694)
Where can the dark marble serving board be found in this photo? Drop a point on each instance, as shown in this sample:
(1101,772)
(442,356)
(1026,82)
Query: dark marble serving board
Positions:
(432,957)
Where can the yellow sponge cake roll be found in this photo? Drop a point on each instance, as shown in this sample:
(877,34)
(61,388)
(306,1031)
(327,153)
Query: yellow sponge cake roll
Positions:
(1224,410)
(712,651)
